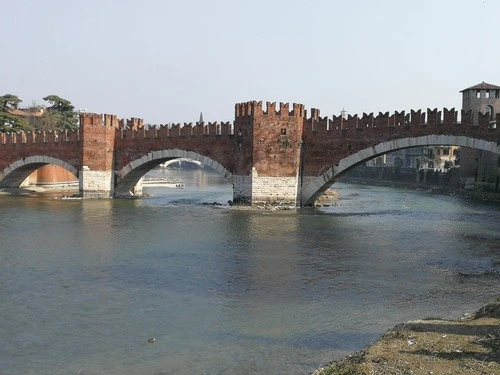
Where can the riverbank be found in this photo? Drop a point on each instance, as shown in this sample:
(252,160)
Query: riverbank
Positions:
(432,189)
(468,345)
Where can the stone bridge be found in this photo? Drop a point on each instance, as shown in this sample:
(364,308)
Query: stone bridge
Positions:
(269,154)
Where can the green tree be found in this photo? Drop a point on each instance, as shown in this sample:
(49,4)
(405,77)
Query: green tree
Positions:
(59,104)
(8,121)
(9,102)
(11,123)
(60,115)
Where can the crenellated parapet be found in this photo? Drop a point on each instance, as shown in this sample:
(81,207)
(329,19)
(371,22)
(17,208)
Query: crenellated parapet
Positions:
(134,128)
(48,137)
(94,119)
(179,130)
(411,119)
(247,109)
(90,119)
(255,109)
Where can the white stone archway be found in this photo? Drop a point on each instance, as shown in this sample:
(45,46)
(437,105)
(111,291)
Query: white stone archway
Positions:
(315,186)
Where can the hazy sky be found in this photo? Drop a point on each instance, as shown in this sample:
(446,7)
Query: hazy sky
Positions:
(166,61)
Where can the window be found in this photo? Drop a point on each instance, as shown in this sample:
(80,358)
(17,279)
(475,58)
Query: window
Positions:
(446,151)
(487,95)
(478,94)
(497,94)
(283,131)
(491,112)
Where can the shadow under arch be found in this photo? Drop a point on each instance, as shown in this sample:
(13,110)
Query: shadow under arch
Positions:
(317,186)
(129,175)
(14,174)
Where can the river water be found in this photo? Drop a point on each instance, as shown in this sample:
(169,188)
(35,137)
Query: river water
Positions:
(85,284)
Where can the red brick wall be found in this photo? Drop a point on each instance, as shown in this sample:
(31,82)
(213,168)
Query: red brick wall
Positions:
(98,139)
(269,139)
(212,140)
(60,145)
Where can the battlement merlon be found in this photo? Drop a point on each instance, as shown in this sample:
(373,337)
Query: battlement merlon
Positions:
(315,114)
(111,121)
(135,123)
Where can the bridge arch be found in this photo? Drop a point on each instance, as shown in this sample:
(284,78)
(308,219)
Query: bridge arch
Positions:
(313,189)
(15,173)
(130,174)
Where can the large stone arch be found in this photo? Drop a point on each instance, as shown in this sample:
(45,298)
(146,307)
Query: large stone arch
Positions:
(14,174)
(129,175)
(316,186)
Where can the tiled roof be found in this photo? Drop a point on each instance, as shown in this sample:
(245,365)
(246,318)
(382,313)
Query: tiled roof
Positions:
(482,86)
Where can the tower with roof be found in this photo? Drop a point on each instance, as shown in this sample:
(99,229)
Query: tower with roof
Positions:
(481,167)
(482,98)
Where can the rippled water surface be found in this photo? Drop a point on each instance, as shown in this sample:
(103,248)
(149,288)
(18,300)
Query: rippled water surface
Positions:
(85,284)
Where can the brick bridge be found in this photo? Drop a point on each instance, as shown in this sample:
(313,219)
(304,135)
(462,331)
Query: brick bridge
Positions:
(268,154)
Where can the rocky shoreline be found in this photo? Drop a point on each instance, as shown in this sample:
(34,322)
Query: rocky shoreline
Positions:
(468,345)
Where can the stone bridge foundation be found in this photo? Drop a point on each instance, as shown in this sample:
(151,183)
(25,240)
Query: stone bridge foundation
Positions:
(96,184)
(100,185)
(256,190)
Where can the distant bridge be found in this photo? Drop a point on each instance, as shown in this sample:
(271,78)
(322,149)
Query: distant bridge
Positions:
(180,161)
(268,154)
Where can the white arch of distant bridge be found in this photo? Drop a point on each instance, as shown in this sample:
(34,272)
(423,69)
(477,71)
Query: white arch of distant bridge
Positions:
(180,160)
